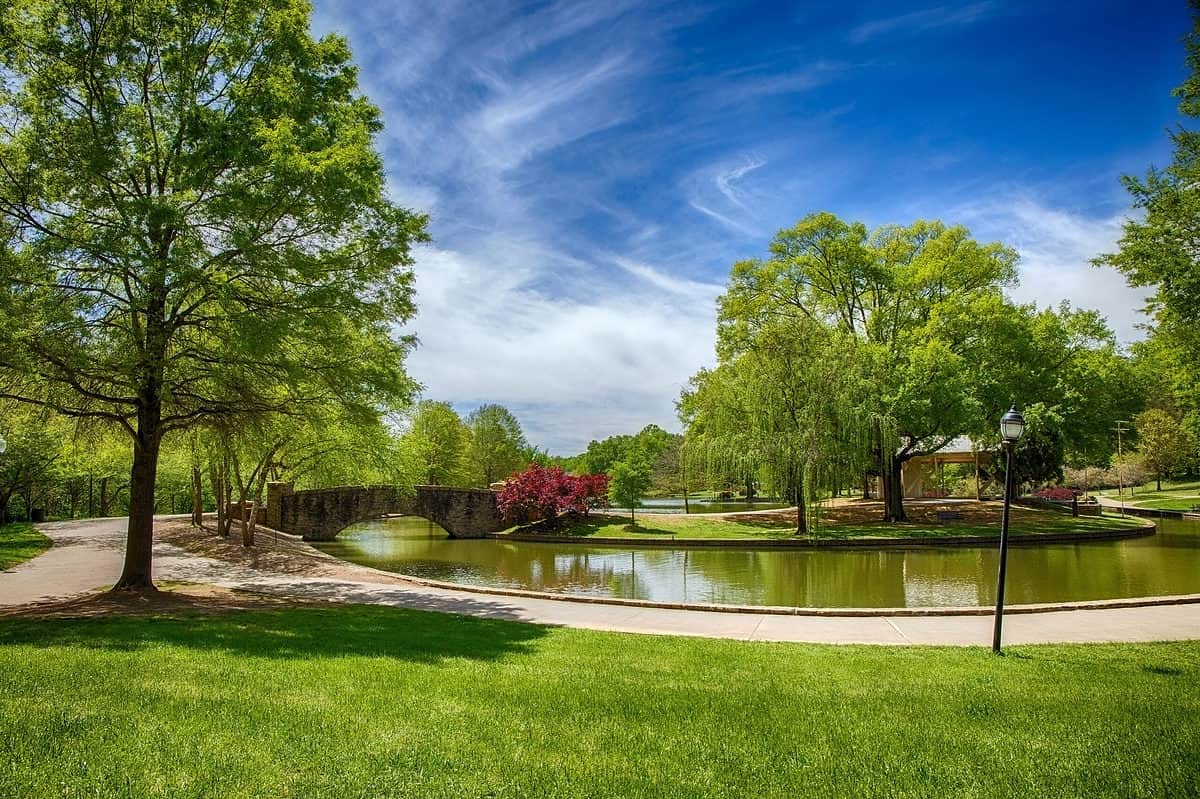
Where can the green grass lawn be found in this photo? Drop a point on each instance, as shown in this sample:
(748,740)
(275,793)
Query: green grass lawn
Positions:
(19,542)
(377,702)
(750,527)
(1174,496)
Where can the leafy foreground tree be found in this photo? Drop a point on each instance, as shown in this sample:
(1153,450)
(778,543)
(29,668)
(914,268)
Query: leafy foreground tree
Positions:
(1159,247)
(193,224)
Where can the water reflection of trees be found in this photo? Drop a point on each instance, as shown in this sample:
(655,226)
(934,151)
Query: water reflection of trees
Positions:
(1167,563)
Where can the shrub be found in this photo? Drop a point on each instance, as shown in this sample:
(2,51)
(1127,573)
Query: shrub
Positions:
(542,492)
(1058,494)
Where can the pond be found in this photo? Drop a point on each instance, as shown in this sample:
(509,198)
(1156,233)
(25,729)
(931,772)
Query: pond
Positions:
(1166,563)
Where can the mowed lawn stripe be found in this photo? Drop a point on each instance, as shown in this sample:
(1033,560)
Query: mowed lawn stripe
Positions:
(362,701)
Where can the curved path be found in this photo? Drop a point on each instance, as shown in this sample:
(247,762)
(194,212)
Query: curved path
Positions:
(87,555)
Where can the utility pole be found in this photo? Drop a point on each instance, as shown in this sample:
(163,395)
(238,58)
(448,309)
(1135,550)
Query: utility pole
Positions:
(1120,461)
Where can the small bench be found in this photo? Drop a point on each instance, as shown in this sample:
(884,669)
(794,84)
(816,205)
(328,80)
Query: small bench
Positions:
(949,516)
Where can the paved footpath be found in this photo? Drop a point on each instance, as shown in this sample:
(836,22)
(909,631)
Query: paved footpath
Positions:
(87,555)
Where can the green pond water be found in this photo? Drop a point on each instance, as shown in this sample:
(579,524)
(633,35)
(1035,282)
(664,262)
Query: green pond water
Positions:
(1166,563)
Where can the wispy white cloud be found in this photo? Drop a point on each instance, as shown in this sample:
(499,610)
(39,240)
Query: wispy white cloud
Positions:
(916,22)
(592,169)
(1056,248)
(685,289)
(535,113)
(729,222)
(727,181)
(580,370)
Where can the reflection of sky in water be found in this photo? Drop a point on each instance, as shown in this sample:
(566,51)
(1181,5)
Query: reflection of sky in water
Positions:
(1168,563)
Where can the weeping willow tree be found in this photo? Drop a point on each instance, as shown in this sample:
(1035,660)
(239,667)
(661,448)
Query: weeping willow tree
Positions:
(921,309)
(780,404)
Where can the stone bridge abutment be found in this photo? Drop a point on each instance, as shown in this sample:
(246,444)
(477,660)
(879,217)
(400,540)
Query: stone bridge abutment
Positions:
(320,514)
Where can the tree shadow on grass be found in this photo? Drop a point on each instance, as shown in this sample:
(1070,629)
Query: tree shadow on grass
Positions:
(309,632)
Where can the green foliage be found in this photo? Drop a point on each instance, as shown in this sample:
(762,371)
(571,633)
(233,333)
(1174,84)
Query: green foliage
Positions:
(436,445)
(30,464)
(331,702)
(194,227)
(850,349)
(627,484)
(1158,247)
(651,446)
(498,447)
(1164,445)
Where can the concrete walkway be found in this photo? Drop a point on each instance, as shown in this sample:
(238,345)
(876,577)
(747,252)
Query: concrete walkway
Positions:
(88,554)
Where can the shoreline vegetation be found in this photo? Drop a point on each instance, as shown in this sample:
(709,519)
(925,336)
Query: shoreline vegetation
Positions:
(848,520)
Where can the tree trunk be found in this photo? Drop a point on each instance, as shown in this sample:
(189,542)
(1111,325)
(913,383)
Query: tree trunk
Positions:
(1158,481)
(197,497)
(214,480)
(227,493)
(104,496)
(91,497)
(893,493)
(139,543)
(801,510)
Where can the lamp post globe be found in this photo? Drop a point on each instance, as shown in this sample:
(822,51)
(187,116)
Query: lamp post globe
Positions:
(1012,427)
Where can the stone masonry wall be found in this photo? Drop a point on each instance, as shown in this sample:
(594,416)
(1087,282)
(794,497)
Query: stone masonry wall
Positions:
(463,512)
(320,514)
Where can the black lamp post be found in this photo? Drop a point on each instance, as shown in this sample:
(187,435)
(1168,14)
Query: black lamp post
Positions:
(1012,425)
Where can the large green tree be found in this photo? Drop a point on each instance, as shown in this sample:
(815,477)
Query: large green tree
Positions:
(436,445)
(193,223)
(1164,445)
(923,345)
(781,404)
(922,305)
(498,446)
(1160,247)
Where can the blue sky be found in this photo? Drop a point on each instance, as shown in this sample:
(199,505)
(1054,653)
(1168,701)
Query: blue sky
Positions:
(593,169)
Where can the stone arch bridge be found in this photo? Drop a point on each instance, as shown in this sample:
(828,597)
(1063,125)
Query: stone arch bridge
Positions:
(320,514)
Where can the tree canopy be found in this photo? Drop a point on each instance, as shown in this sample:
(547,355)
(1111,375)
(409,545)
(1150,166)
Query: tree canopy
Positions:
(848,349)
(194,226)
(1160,247)
(498,446)
(437,445)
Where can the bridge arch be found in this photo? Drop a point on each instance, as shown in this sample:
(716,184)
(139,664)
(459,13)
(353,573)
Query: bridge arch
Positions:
(320,514)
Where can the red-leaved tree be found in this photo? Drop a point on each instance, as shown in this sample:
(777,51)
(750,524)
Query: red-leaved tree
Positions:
(542,492)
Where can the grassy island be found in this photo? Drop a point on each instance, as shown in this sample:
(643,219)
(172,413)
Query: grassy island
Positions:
(849,520)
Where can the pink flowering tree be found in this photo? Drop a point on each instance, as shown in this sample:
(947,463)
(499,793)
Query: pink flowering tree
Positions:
(542,492)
